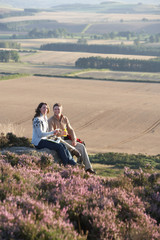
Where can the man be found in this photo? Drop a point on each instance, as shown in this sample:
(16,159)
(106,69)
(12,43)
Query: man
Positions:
(58,121)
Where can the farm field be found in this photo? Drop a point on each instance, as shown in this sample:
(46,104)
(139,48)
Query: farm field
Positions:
(114,112)
(118,76)
(69,58)
(109,116)
(81,17)
(61,63)
(36,43)
(88,22)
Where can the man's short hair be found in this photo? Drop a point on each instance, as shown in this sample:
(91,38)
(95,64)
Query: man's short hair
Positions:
(57,105)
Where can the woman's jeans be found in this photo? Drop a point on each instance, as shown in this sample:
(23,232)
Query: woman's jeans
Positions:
(61,150)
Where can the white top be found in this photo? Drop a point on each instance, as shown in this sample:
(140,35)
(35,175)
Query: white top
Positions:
(40,129)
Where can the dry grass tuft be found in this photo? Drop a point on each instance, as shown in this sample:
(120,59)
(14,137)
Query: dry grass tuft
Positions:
(13,128)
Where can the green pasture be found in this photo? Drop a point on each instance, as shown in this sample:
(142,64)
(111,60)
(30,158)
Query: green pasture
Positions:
(107,170)
(71,72)
(12,76)
(105,74)
(112,164)
(46,68)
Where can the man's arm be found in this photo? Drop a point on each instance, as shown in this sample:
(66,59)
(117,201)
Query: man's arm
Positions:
(71,132)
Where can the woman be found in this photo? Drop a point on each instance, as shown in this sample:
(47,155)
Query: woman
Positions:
(41,134)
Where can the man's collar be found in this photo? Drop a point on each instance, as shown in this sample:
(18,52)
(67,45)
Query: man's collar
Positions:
(58,119)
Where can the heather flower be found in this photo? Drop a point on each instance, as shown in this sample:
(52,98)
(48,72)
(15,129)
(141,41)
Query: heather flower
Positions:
(40,200)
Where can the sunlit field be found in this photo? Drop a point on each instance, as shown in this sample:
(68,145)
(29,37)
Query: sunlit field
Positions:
(108,116)
(61,63)
(83,17)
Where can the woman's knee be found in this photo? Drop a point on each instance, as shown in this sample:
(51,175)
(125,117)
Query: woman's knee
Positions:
(63,146)
(60,147)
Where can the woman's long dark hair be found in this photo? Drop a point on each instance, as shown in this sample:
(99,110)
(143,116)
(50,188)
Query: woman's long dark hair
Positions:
(38,111)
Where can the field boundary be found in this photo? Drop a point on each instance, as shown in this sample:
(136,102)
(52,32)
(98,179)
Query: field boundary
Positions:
(98,79)
(6,76)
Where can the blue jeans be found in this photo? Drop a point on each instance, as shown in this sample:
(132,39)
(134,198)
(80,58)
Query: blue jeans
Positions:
(61,150)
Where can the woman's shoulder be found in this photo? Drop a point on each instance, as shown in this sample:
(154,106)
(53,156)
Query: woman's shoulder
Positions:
(37,121)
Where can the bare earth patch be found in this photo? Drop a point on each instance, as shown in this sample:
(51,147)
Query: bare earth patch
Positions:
(108,116)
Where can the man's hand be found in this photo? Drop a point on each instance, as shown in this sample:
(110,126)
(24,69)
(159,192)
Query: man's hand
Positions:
(63,133)
(74,143)
(57,132)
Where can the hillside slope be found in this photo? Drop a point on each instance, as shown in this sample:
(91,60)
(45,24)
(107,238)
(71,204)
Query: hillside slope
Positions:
(108,116)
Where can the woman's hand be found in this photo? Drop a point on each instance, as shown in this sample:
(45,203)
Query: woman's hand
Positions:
(57,132)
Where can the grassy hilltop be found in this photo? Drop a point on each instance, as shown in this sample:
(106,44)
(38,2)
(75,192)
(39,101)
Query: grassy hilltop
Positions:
(41,200)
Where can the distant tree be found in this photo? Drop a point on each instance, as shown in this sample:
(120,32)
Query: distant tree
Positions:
(43,33)
(136,42)
(103,48)
(82,41)
(157,38)
(14,36)
(105,36)
(6,56)
(14,56)
(152,39)
(145,19)
(119,64)
(112,35)
(10,45)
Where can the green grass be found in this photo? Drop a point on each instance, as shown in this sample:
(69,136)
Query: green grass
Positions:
(106,170)
(12,76)
(112,164)
(87,70)
(86,28)
(107,164)
(107,75)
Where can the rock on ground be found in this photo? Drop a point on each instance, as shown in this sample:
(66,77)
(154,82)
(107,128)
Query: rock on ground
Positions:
(27,150)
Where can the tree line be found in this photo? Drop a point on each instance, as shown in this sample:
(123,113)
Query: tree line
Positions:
(6,56)
(119,64)
(10,45)
(36,33)
(97,48)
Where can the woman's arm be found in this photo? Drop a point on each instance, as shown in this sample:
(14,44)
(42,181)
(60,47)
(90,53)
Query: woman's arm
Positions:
(40,129)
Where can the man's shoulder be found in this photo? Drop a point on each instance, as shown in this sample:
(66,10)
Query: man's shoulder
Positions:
(64,117)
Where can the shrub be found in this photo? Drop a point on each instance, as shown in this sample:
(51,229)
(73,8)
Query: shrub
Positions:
(11,139)
(46,202)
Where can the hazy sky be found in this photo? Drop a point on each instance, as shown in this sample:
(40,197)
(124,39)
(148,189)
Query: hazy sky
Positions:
(57,2)
(50,3)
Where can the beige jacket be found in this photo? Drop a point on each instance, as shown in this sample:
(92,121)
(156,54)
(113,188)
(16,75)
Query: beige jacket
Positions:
(62,123)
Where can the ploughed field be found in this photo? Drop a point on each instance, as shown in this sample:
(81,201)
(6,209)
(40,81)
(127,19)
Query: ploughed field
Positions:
(108,116)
